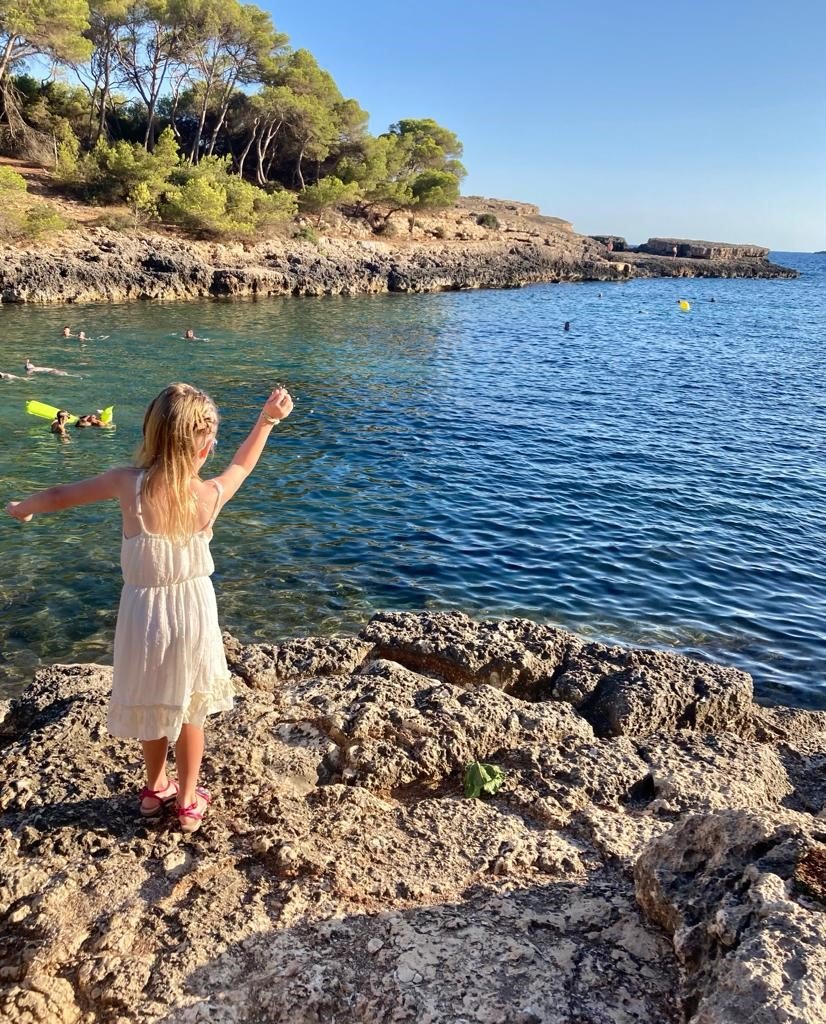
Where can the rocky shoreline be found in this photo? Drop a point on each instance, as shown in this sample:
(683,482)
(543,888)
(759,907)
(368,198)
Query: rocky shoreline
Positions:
(448,251)
(656,853)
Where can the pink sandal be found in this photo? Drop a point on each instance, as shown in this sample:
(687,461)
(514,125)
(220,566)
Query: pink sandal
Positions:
(190,817)
(156,794)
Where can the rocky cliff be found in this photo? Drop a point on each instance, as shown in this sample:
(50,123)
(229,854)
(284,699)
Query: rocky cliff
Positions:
(479,243)
(688,249)
(656,853)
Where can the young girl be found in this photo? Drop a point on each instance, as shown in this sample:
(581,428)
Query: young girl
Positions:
(170,672)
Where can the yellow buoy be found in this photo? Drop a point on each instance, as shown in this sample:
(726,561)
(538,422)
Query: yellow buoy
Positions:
(684,305)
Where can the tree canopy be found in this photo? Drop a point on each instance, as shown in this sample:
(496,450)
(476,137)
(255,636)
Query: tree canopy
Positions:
(215,80)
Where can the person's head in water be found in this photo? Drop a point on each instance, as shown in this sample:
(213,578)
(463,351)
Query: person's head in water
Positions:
(190,335)
(82,336)
(67,331)
(59,422)
(179,431)
(567,326)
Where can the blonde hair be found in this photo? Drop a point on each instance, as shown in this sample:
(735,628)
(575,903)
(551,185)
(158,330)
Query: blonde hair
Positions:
(176,427)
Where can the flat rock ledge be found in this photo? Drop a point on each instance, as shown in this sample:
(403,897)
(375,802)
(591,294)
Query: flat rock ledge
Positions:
(657,853)
(100,265)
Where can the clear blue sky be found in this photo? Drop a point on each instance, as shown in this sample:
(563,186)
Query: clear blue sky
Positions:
(695,119)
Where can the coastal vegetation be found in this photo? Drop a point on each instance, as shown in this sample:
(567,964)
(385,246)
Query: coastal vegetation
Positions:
(199,114)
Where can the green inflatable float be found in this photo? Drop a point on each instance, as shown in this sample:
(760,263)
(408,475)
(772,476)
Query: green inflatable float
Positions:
(49,412)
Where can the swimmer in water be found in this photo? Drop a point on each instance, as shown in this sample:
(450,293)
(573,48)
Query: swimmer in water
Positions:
(567,326)
(81,336)
(31,368)
(9,376)
(91,419)
(59,424)
(67,331)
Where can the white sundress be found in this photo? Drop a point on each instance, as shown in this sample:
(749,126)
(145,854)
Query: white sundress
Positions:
(169,665)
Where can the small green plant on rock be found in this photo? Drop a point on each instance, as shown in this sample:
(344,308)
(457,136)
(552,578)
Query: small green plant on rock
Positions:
(481,779)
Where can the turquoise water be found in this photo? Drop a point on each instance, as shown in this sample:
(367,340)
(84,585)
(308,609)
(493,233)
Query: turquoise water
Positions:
(650,477)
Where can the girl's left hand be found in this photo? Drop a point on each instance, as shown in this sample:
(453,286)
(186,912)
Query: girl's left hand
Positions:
(12,507)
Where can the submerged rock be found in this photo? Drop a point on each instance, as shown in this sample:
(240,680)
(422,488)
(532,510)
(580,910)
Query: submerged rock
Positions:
(655,852)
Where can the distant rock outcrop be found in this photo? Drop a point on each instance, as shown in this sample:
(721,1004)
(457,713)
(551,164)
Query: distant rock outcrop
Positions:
(655,855)
(687,249)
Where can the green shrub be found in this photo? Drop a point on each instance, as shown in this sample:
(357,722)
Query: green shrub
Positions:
(488,220)
(11,181)
(67,168)
(39,220)
(115,220)
(30,222)
(307,234)
(273,208)
(208,199)
(198,205)
(142,202)
(387,228)
(328,192)
(113,171)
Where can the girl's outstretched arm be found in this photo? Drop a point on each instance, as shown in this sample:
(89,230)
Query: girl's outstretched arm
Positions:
(276,408)
(84,492)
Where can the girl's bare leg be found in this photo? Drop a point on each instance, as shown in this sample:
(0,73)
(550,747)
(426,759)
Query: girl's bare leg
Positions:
(154,756)
(189,751)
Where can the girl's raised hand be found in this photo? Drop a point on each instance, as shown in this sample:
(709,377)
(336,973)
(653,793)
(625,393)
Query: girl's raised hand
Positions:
(279,405)
(11,508)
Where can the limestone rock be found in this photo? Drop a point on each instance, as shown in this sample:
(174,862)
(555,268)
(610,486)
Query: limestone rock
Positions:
(751,951)
(341,874)
(264,666)
(623,691)
(447,250)
(687,249)
(515,655)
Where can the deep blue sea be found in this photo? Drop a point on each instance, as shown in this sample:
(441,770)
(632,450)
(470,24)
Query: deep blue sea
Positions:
(651,477)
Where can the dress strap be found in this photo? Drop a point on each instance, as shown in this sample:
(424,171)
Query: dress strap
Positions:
(219,487)
(138,509)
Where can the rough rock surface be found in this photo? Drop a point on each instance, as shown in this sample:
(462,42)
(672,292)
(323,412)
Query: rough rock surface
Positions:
(703,250)
(445,251)
(671,870)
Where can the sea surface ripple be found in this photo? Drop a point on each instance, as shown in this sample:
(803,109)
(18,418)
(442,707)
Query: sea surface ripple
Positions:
(650,477)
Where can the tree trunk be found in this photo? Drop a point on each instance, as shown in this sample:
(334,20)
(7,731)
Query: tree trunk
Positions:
(248,147)
(298,166)
(225,102)
(272,131)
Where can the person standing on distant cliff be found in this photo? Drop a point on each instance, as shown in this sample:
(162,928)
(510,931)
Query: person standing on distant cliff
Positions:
(170,672)
(674,251)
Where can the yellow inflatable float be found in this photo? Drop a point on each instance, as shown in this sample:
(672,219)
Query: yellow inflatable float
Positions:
(684,305)
(49,412)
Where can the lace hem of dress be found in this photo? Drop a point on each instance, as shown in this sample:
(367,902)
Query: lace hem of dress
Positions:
(156,721)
